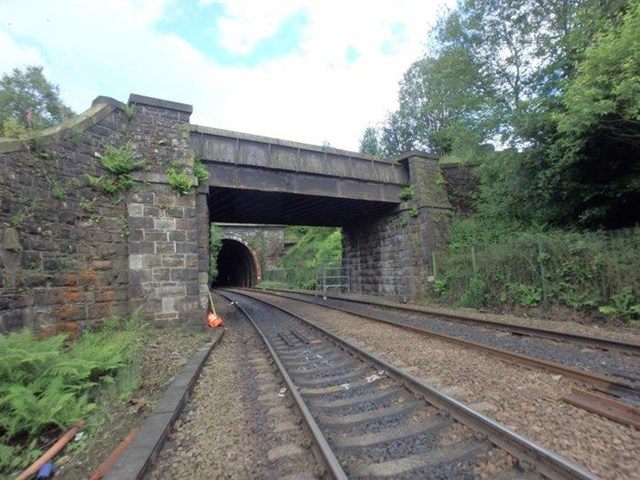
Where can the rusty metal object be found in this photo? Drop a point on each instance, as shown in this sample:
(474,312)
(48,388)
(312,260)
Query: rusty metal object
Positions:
(49,454)
(105,466)
(607,407)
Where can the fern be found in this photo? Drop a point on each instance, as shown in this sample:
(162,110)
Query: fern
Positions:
(48,384)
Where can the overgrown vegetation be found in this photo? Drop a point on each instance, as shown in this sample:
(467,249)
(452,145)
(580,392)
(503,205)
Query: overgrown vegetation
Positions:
(314,248)
(215,245)
(595,272)
(199,170)
(544,100)
(545,97)
(120,162)
(48,385)
(180,182)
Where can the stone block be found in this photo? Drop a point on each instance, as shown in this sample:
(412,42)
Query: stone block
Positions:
(165,247)
(135,262)
(164,223)
(173,261)
(140,248)
(135,210)
(177,236)
(191,260)
(155,236)
(161,274)
(168,304)
(186,247)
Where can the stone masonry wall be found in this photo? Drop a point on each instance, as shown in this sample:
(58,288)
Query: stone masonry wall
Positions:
(74,252)
(167,261)
(63,242)
(390,256)
(461,184)
(266,240)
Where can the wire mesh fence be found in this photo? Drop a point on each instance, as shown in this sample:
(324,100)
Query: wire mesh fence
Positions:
(581,270)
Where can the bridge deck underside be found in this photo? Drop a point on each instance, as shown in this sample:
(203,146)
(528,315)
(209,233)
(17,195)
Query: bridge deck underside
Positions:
(254,206)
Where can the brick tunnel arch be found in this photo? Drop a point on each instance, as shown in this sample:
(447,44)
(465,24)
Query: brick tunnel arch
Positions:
(238,263)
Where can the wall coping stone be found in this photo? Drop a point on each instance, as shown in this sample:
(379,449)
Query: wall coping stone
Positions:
(83,121)
(415,153)
(160,103)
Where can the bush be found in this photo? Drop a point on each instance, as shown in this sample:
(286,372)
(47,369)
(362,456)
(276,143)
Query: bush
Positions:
(48,385)
(597,271)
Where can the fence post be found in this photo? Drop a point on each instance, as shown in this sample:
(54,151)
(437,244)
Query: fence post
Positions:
(543,275)
(473,260)
(435,266)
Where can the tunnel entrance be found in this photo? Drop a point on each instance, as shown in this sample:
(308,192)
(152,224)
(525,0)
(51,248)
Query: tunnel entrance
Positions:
(237,265)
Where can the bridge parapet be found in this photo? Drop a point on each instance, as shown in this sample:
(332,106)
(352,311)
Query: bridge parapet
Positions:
(257,154)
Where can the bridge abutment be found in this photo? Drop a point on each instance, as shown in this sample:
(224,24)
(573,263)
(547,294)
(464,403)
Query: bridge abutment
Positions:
(168,230)
(389,256)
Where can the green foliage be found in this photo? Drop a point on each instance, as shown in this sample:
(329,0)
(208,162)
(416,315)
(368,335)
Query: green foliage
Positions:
(554,85)
(406,193)
(475,294)
(314,248)
(586,271)
(180,182)
(13,128)
(369,143)
(16,220)
(23,91)
(50,384)
(129,111)
(626,306)
(414,212)
(200,171)
(121,160)
(215,245)
(58,192)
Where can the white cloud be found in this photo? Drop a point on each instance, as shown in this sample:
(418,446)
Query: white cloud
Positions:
(312,95)
(247,22)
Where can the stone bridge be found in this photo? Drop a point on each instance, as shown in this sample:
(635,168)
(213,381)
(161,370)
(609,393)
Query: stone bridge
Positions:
(80,243)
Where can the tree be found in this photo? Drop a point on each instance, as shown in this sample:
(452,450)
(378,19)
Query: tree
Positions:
(369,143)
(595,172)
(29,100)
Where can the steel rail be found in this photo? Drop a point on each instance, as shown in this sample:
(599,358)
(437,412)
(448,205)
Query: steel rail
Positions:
(596,379)
(599,342)
(544,461)
(326,451)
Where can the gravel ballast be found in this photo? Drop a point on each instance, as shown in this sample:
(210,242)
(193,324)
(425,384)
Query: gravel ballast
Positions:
(237,424)
(528,401)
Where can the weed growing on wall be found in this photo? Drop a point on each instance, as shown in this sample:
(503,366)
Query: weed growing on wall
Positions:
(180,182)
(120,162)
(406,194)
(199,170)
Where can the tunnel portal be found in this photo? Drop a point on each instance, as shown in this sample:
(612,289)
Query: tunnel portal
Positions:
(237,265)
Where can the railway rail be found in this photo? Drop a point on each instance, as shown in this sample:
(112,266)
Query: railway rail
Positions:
(372,420)
(612,369)
(602,343)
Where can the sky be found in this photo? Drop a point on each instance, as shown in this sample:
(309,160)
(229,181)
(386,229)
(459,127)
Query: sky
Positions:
(311,71)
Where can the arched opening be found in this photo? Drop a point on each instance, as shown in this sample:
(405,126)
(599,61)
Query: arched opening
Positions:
(237,265)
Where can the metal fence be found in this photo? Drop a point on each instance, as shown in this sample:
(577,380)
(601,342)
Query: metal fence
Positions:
(578,270)
(323,277)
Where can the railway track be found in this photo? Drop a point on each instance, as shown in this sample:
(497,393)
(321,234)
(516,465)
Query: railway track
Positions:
(608,365)
(601,343)
(371,420)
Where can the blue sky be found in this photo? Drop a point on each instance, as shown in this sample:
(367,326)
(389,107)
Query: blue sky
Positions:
(305,70)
